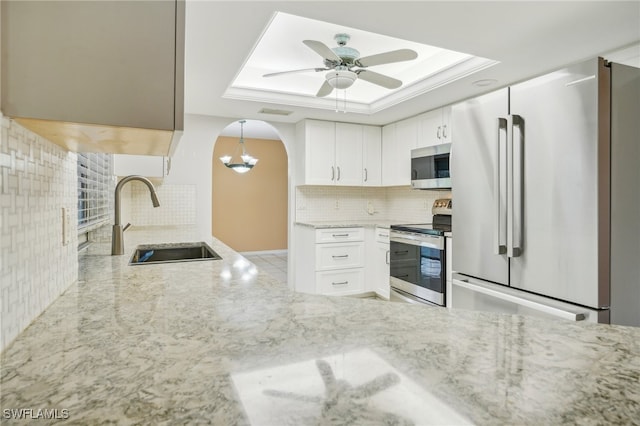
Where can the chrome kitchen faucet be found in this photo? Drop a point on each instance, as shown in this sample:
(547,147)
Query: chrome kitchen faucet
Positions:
(117,239)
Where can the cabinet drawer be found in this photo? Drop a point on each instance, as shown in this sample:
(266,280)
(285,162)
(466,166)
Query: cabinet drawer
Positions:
(340,282)
(382,235)
(339,256)
(336,235)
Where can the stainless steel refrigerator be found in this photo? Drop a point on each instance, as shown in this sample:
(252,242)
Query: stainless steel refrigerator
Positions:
(546,189)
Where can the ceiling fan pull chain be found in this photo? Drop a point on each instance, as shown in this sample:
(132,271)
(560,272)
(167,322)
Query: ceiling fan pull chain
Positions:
(344,110)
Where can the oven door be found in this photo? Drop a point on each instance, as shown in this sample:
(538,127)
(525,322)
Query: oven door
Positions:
(417,265)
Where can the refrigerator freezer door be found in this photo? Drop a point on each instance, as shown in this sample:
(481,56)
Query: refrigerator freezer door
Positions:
(563,186)
(478,181)
(477,295)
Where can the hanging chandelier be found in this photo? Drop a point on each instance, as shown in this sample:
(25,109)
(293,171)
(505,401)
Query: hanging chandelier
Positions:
(247,162)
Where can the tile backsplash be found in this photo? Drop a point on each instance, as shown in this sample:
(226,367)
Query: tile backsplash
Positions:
(37,180)
(177,205)
(398,204)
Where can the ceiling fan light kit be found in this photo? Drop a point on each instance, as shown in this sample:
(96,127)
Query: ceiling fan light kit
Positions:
(341,79)
(345,65)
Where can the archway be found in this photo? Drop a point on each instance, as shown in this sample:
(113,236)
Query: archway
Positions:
(249,210)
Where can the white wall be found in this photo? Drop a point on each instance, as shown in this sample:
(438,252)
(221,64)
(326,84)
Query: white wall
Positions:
(37,179)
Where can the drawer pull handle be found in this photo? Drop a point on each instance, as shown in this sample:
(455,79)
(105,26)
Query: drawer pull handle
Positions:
(341,283)
(342,256)
(383,235)
(339,235)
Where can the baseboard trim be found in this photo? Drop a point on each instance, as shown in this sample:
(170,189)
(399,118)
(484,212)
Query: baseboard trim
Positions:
(265,252)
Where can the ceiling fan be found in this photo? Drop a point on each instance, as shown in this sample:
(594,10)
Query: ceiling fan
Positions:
(341,62)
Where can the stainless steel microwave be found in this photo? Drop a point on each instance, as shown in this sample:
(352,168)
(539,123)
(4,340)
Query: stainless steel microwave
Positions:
(430,167)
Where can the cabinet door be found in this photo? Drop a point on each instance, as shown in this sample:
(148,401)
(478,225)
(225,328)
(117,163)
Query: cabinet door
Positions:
(396,166)
(430,128)
(348,154)
(101,62)
(371,156)
(447,131)
(381,260)
(389,154)
(319,159)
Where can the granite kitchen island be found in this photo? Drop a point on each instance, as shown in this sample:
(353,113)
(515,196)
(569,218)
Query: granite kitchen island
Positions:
(218,342)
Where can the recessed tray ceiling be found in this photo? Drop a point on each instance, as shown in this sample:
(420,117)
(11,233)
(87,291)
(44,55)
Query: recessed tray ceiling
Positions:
(280,48)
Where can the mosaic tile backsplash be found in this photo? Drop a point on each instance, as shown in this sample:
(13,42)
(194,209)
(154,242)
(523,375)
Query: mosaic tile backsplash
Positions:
(37,180)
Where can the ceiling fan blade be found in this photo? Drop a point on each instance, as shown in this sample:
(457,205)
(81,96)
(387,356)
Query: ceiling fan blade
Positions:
(322,50)
(387,58)
(379,79)
(325,89)
(295,71)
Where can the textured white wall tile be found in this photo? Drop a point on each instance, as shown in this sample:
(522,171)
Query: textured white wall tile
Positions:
(177,205)
(397,204)
(38,180)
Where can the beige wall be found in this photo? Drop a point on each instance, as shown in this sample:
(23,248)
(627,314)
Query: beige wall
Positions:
(249,211)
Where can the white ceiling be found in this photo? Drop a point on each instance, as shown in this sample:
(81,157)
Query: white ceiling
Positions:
(527,38)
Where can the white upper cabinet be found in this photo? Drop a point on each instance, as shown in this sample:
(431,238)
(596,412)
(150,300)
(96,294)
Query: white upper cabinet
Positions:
(371,156)
(348,162)
(434,127)
(338,154)
(316,158)
(398,139)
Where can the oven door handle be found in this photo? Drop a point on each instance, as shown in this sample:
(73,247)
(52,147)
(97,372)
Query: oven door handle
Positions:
(423,241)
(404,297)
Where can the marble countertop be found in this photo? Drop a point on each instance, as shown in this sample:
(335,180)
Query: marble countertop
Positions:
(218,342)
(353,224)
(346,223)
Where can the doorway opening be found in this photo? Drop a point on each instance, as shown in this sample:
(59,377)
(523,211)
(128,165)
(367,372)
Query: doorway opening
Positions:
(249,210)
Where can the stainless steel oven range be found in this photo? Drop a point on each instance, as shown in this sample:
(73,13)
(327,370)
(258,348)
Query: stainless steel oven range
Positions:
(418,260)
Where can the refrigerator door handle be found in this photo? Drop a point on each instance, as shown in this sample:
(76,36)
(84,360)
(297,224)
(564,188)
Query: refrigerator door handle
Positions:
(500,192)
(531,304)
(515,185)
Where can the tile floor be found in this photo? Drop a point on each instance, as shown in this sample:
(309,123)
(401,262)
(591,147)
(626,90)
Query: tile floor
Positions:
(273,263)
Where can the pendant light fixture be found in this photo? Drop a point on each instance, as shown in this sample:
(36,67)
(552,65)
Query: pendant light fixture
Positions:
(247,162)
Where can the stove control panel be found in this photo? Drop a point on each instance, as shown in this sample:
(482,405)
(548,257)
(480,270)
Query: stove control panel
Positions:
(442,206)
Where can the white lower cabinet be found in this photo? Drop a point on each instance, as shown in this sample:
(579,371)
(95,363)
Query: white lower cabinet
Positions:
(380,267)
(340,282)
(339,255)
(342,261)
(330,260)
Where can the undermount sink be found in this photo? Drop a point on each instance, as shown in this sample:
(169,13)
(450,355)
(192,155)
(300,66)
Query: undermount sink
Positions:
(147,254)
